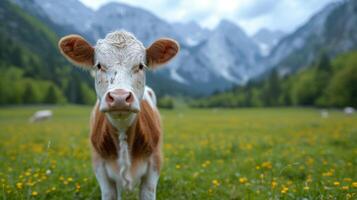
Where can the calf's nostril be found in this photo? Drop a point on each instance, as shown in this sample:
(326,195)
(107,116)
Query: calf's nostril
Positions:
(109,98)
(129,98)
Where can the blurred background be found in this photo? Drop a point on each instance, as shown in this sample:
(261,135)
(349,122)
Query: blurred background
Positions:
(234,53)
(259,103)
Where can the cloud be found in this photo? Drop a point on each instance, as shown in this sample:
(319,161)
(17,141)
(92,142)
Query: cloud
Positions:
(251,15)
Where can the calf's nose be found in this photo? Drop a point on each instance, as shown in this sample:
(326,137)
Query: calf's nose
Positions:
(119,99)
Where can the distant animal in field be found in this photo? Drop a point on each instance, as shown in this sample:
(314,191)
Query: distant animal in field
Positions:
(349,110)
(41,115)
(126,130)
(324,114)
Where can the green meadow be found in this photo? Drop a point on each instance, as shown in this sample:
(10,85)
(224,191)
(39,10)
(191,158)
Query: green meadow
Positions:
(275,153)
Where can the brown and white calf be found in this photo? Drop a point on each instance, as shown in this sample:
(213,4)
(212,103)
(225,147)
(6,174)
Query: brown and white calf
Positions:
(125,133)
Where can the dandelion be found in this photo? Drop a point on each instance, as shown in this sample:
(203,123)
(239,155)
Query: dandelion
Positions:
(329,173)
(354,184)
(336,183)
(30,183)
(347,179)
(69,179)
(34,193)
(243,180)
(78,187)
(206,163)
(284,190)
(267,165)
(215,182)
(273,184)
(19,185)
(261,176)
(345,187)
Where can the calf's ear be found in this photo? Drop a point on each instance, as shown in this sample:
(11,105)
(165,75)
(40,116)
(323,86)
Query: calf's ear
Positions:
(77,50)
(161,52)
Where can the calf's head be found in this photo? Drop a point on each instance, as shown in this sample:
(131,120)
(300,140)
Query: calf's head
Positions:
(118,61)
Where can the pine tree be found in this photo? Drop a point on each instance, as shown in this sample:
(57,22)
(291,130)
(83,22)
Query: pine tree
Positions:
(51,95)
(29,96)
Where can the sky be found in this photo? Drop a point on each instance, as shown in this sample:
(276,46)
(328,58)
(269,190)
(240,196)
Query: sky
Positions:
(251,15)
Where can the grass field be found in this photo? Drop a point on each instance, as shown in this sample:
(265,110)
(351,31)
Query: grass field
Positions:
(209,154)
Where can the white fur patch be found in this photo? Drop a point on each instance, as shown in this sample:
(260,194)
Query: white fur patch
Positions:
(150,97)
(119,55)
(124,161)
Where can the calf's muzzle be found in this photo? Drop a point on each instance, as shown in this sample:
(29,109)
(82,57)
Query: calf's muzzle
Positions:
(119,100)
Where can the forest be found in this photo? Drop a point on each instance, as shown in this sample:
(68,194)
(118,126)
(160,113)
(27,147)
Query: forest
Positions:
(327,83)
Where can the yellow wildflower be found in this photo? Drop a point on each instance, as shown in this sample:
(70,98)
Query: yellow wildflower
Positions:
(267,165)
(34,193)
(354,184)
(284,190)
(19,185)
(336,183)
(215,182)
(345,187)
(243,180)
(347,179)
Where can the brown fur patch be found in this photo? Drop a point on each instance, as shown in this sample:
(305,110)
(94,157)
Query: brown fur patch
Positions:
(161,51)
(104,136)
(143,136)
(77,50)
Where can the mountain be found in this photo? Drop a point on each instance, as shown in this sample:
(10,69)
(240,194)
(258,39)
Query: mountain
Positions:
(67,12)
(198,66)
(226,57)
(332,31)
(267,39)
(191,33)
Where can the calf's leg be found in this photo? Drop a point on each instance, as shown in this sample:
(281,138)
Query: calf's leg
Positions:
(149,184)
(107,187)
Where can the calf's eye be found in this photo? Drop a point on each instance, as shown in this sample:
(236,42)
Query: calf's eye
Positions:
(101,67)
(141,66)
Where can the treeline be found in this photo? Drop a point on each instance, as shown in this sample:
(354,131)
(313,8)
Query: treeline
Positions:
(32,69)
(324,84)
(15,88)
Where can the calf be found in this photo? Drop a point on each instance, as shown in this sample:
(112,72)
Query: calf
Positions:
(41,115)
(125,131)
